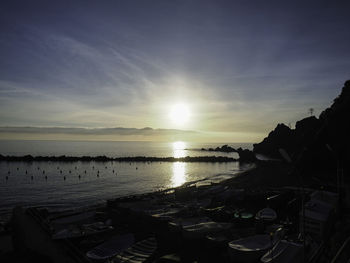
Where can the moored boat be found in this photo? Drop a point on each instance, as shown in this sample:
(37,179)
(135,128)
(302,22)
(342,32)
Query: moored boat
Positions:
(249,249)
(83,230)
(138,253)
(284,251)
(203,229)
(111,247)
(266,214)
(179,223)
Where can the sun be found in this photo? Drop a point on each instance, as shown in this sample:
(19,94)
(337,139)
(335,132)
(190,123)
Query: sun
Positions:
(179,114)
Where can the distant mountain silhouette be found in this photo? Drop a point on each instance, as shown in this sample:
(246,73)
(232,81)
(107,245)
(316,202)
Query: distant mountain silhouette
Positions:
(315,143)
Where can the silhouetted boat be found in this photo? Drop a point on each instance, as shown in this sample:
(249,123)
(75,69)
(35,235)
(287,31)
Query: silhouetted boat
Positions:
(203,229)
(284,251)
(250,249)
(84,230)
(111,247)
(266,214)
(179,223)
(138,253)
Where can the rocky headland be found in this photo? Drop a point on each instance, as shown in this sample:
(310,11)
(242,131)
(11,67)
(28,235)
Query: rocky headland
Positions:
(315,144)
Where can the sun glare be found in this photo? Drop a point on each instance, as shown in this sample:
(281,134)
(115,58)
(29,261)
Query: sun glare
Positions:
(179,114)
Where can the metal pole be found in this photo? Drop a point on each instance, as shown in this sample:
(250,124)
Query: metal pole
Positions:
(286,156)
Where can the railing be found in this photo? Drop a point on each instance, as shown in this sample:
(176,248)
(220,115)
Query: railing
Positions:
(343,254)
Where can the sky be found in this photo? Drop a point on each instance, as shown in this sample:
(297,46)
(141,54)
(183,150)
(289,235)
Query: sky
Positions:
(76,69)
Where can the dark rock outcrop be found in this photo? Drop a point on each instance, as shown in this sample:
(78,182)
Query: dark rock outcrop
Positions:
(246,155)
(225,148)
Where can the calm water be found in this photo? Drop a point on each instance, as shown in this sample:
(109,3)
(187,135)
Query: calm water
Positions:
(65,185)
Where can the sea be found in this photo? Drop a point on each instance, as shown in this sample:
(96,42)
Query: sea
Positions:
(69,185)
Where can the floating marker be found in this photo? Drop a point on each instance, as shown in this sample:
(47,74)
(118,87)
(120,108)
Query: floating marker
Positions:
(79,176)
(70,171)
(85,171)
(7,177)
(43,171)
(64,178)
(137,168)
(60,171)
(45,177)
(32,177)
(26,172)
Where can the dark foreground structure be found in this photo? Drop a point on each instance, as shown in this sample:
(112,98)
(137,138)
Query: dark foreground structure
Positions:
(193,223)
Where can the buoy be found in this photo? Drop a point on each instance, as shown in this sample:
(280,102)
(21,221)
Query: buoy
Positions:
(79,176)
(98,175)
(7,177)
(64,178)
(45,177)
(26,172)
(17,168)
(85,171)
(137,168)
(93,167)
(113,171)
(38,168)
(43,171)
(32,177)
(70,171)
(8,172)
(60,171)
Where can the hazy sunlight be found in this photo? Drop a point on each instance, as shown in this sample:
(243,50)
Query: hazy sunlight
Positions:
(179,114)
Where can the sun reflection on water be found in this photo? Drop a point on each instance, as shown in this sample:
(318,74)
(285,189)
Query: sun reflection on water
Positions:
(179,168)
(179,149)
(179,174)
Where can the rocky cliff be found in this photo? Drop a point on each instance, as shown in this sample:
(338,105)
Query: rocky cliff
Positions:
(315,143)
